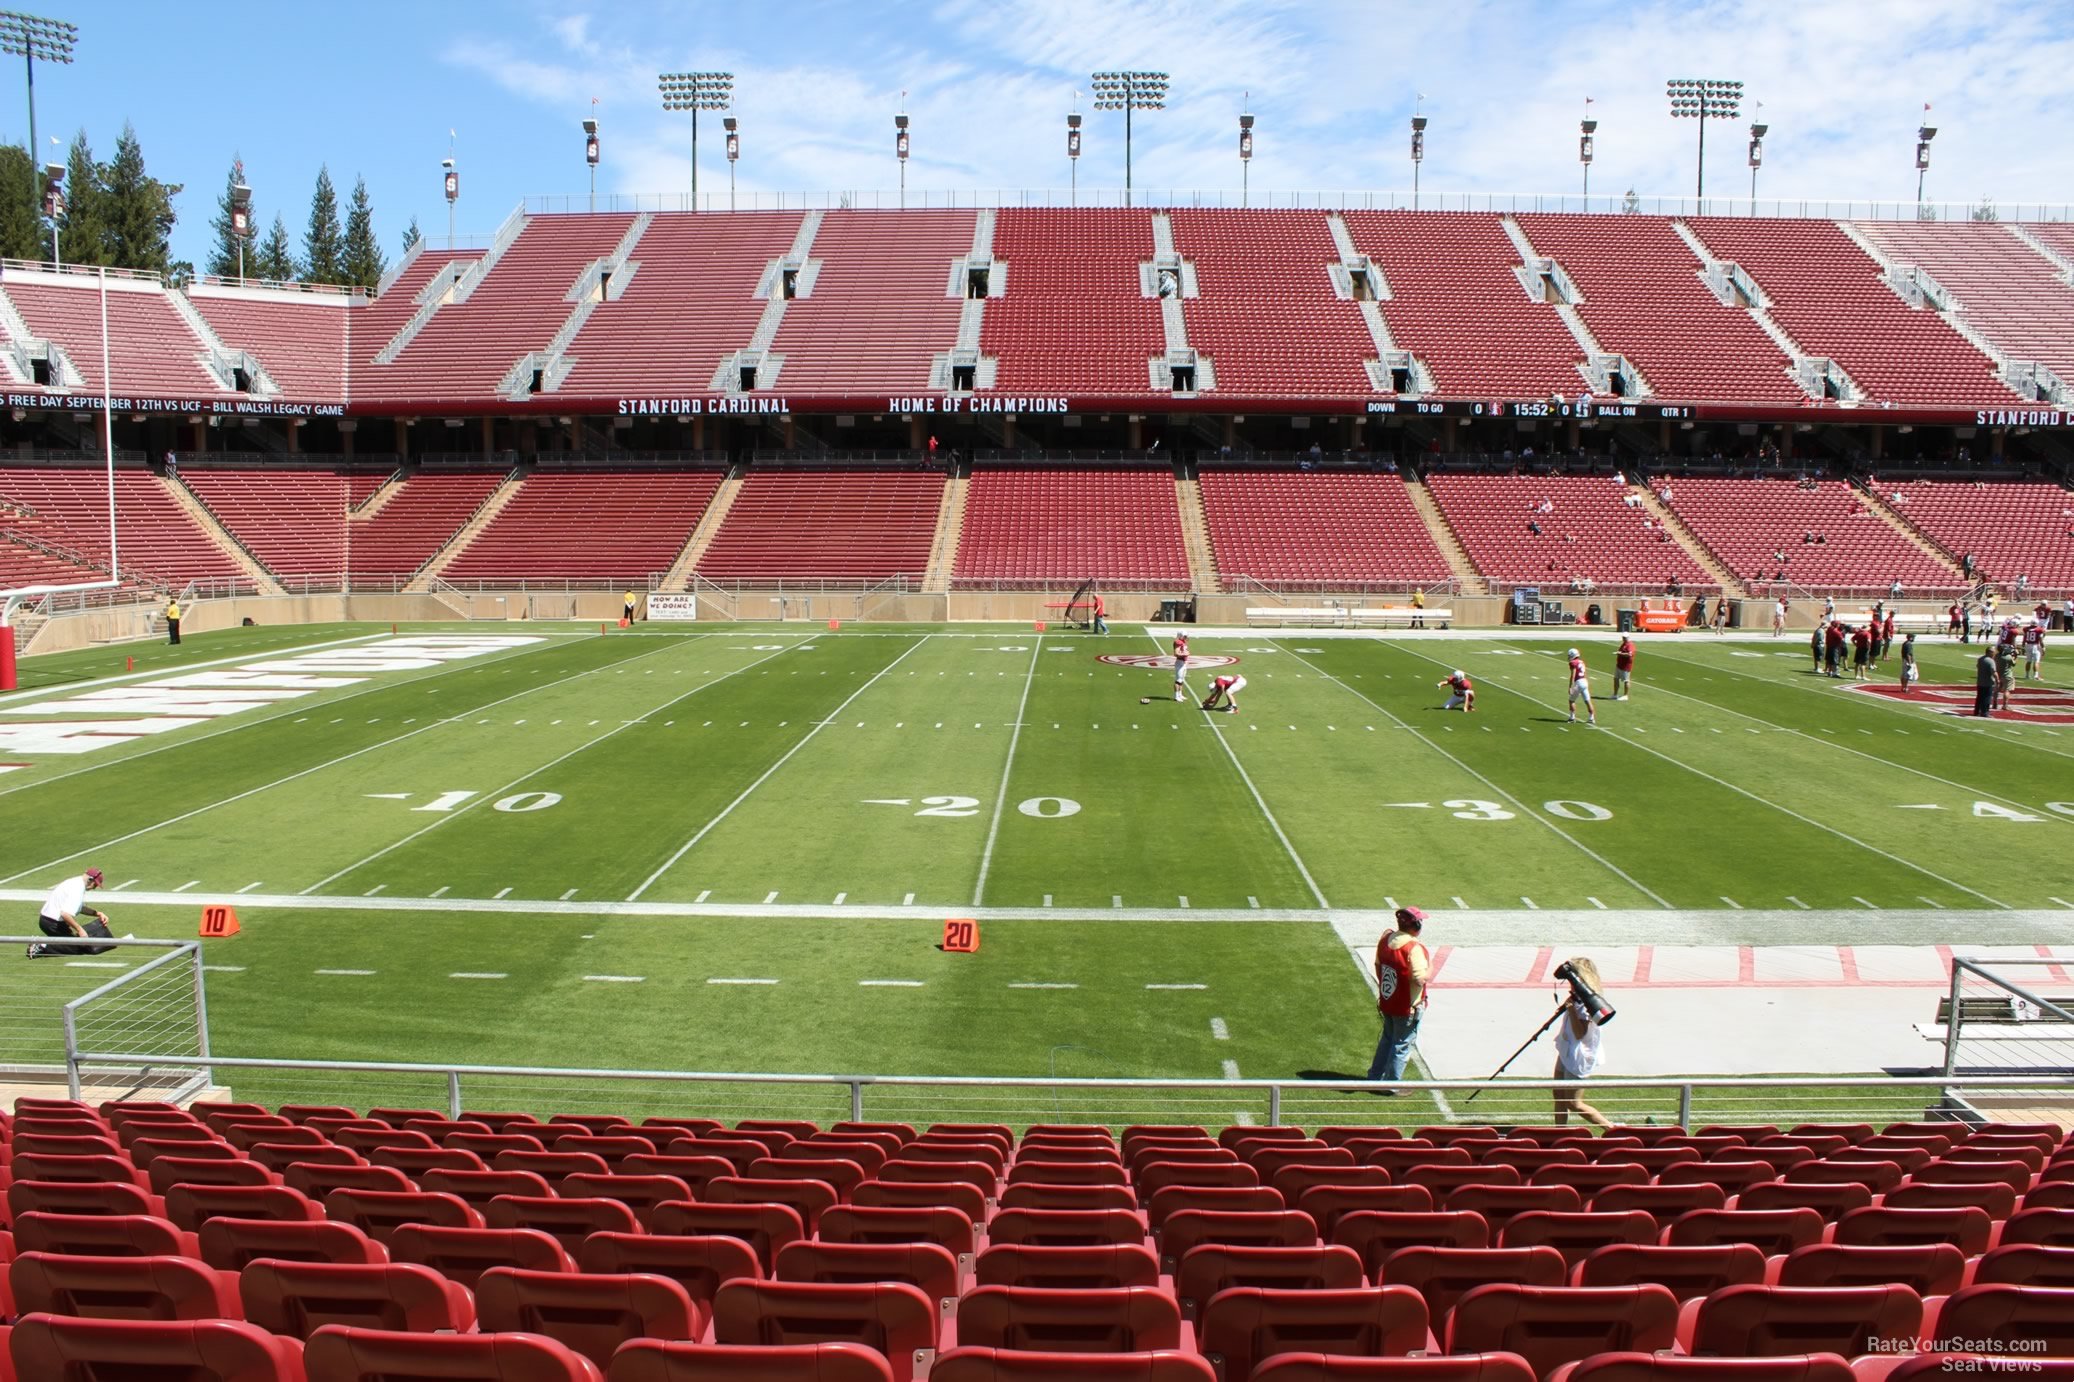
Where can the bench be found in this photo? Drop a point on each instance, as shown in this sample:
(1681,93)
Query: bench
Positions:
(1994,1009)
(1347,616)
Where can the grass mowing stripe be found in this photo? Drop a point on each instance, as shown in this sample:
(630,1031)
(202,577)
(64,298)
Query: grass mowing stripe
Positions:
(305,772)
(986,854)
(1526,812)
(804,740)
(1743,792)
(534,772)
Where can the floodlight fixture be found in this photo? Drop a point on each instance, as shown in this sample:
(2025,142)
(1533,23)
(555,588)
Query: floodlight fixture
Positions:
(696,91)
(1587,129)
(452,187)
(1704,99)
(32,37)
(592,151)
(1129,90)
(1758,130)
(901,147)
(1245,153)
(1073,149)
(1419,121)
(734,154)
(1924,134)
(241,216)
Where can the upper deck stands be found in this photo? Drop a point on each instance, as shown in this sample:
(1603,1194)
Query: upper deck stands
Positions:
(293,521)
(466,349)
(1053,527)
(616,525)
(1266,313)
(1643,298)
(690,303)
(376,324)
(1586,533)
(152,350)
(1289,528)
(1820,537)
(2009,529)
(299,338)
(880,310)
(846,525)
(1828,297)
(1074,318)
(1457,306)
(2010,292)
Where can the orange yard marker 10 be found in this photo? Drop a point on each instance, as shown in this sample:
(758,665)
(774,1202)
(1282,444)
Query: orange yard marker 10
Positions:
(960,936)
(218,921)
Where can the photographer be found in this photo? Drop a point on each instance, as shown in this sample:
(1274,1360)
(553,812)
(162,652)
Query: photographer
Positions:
(1401,970)
(66,916)
(1578,1039)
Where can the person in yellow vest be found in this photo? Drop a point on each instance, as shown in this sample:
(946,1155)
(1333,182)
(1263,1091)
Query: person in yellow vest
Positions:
(628,613)
(173,620)
(1418,605)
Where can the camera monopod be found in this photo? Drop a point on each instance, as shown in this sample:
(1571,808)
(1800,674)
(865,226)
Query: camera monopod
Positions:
(1594,1004)
(1561,1009)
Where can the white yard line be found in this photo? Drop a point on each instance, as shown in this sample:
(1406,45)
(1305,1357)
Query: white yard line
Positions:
(615,979)
(783,759)
(986,856)
(531,773)
(742,981)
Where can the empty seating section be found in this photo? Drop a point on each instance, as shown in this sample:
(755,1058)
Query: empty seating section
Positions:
(1265,312)
(361,486)
(156,536)
(842,525)
(2010,292)
(1586,532)
(620,525)
(22,564)
(376,324)
(151,349)
(1748,523)
(1827,295)
(881,306)
(299,338)
(417,521)
(1291,528)
(1074,318)
(2010,530)
(692,1287)
(690,303)
(1036,527)
(1643,298)
(465,351)
(294,521)
(1456,304)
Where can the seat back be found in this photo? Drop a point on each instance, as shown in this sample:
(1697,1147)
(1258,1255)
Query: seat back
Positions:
(228,1244)
(925,1266)
(1767,1321)
(1928,1269)
(379,1213)
(478,1188)
(1968,1228)
(1323,1367)
(1326,1203)
(1772,1231)
(948,1228)
(764,1227)
(80,1197)
(1576,1235)
(464,1254)
(1121,1319)
(1017,1365)
(298,1298)
(1688,1272)
(2032,1321)
(121,1288)
(1832,1202)
(337,1353)
(1246,1324)
(700,1264)
(1663,1367)
(1189,1228)
(2052,1228)
(1551,1325)
(54,1346)
(894,1318)
(1666,1202)
(648,1360)
(1212,1267)
(101,1235)
(1065,1227)
(2025,1264)
(1172,1199)
(1442,1276)
(1375,1234)
(592,1315)
(567,1221)
(810,1198)
(1078,1267)
(190,1206)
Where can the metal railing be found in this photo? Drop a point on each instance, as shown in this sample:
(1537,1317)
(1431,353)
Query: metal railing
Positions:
(2016,1029)
(1117,1101)
(154,1009)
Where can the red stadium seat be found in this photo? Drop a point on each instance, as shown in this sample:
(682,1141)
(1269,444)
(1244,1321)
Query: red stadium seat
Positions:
(1666,1367)
(229,1244)
(298,1298)
(926,1267)
(169,1171)
(766,1228)
(1017,1365)
(1775,1231)
(1246,1325)
(567,1221)
(699,1264)
(646,1360)
(2031,1321)
(379,1213)
(339,1354)
(1920,1367)
(590,1314)
(2024,1264)
(2051,1228)
(695,1171)
(1766,1321)
(190,1206)
(1832,1202)
(1465,1367)
(1066,1227)
(1188,1228)
(464,1254)
(966,1199)
(1969,1229)
(1928,1269)
(2000,1201)
(1105,1265)
(810,1199)
(637,1192)
(122,1288)
(1576,1235)
(478,1188)
(56,1346)
(319,1181)
(1031,1195)
(1329,1203)
(1126,1319)
(1551,1325)
(1172,1199)
(949,1229)
(102,1235)
(1499,1203)
(1687,1272)
(1442,1276)
(1375,1234)
(896,1320)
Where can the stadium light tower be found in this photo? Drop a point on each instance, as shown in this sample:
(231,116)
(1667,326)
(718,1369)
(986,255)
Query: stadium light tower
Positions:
(734,153)
(452,187)
(696,91)
(1586,128)
(591,151)
(1924,134)
(1073,150)
(1704,99)
(1128,91)
(240,217)
(1418,148)
(33,37)
(1758,130)
(900,146)
(1245,150)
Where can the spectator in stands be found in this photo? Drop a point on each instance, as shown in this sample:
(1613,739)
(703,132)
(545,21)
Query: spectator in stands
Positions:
(60,917)
(1401,970)
(173,619)
(1985,680)
(1577,1050)
(1534,527)
(1894,589)
(1966,565)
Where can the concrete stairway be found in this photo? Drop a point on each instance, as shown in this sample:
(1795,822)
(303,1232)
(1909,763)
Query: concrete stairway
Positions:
(1694,548)
(1894,519)
(1444,538)
(374,503)
(950,522)
(678,577)
(458,543)
(220,535)
(1195,537)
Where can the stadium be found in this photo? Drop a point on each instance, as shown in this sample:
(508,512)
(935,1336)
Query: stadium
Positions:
(866,793)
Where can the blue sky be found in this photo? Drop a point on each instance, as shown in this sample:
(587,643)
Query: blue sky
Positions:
(373,88)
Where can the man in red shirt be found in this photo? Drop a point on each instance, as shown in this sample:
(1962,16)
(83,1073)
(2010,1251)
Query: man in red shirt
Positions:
(1953,616)
(1402,968)
(1861,653)
(1623,667)
(1887,636)
(1461,691)
(1226,688)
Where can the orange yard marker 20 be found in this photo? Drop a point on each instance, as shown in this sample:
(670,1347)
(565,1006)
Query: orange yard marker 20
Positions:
(960,936)
(218,921)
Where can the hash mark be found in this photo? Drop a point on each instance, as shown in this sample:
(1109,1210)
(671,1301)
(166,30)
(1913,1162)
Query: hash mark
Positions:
(769,898)
(1733,903)
(248,887)
(889,983)
(702,896)
(501,894)
(1219,1030)
(1596,903)
(908,901)
(1176,987)
(440,891)
(188,884)
(1044,986)
(614,979)
(345,971)
(375,889)
(1231,1070)
(466,974)
(1798,903)
(741,981)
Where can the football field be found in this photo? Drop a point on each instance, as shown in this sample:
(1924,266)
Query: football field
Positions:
(733,848)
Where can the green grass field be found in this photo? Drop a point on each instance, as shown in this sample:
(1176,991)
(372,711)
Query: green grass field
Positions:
(733,849)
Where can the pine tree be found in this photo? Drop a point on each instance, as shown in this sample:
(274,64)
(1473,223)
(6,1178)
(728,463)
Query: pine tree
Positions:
(362,261)
(138,210)
(274,259)
(83,236)
(412,235)
(22,231)
(223,255)
(323,247)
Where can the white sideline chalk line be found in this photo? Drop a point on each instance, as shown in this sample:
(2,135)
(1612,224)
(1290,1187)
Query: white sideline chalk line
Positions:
(986,856)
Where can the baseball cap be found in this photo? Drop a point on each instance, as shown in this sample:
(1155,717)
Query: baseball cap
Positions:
(93,876)
(1411,915)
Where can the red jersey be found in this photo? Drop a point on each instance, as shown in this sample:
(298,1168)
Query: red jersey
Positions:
(1954,613)
(1860,639)
(1222,683)
(1459,683)
(1577,669)
(2034,637)
(1180,645)
(1887,630)
(1624,660)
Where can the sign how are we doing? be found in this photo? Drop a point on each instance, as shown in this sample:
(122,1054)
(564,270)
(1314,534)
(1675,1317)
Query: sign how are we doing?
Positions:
(112,715)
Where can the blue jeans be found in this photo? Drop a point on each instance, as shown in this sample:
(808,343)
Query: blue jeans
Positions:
(1394,1049)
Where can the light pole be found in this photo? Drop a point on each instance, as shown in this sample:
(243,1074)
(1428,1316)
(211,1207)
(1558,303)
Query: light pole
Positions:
(591,153)
(452,187)
(1758,130)
(900,147)
(1245,153)
(1073,152)
(241,217)
(1418,154)
(1924,134)
(1128,91)
(1586,128)
(33,38)
(54,207)
(734,152)
(1704,99)
(696,91)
